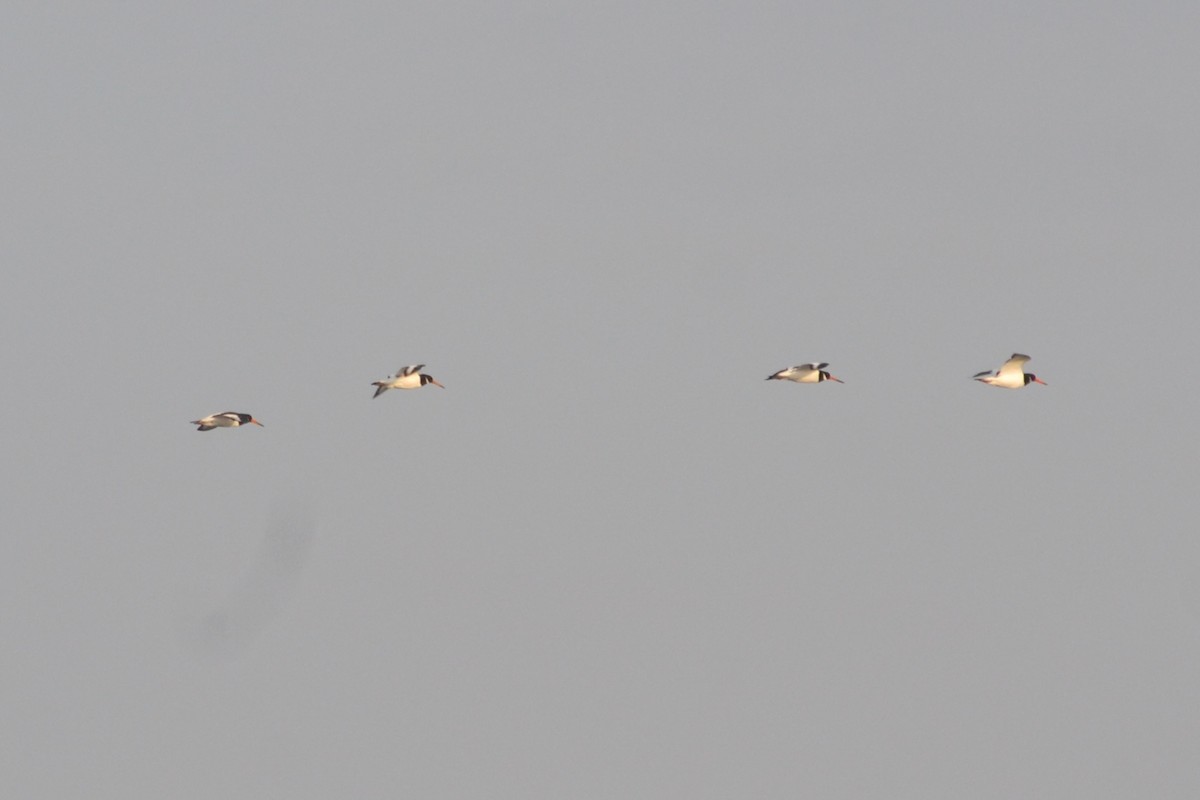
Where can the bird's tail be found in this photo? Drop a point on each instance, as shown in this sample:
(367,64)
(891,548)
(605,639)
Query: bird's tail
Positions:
(380,388)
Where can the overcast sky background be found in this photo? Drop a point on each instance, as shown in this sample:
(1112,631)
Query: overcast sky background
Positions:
(609,560)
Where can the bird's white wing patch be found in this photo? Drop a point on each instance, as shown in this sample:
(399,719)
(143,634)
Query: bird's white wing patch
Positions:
(1016,364)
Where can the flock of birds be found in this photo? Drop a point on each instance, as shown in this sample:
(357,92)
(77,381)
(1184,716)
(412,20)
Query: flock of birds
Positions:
(1011,375)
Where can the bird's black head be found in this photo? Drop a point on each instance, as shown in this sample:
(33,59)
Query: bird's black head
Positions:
(1031,378)
(425,379)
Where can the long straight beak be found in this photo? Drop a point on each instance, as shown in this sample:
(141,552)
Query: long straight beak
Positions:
(435,383)
(256,422)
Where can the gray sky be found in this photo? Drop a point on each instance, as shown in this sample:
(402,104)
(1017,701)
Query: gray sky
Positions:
(609,560)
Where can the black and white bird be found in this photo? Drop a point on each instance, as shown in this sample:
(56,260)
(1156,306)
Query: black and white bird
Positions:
(226,419)
(804,373)
(409,377)
(1011,375)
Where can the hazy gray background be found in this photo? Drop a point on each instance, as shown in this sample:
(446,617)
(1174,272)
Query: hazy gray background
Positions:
(609,561)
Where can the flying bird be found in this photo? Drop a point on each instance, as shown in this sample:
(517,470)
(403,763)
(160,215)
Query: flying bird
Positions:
(409,377)
(226,419)
(804,373)
(1010,376)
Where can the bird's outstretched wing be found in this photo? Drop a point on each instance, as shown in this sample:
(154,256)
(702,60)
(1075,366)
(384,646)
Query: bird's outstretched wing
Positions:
(1015,364)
